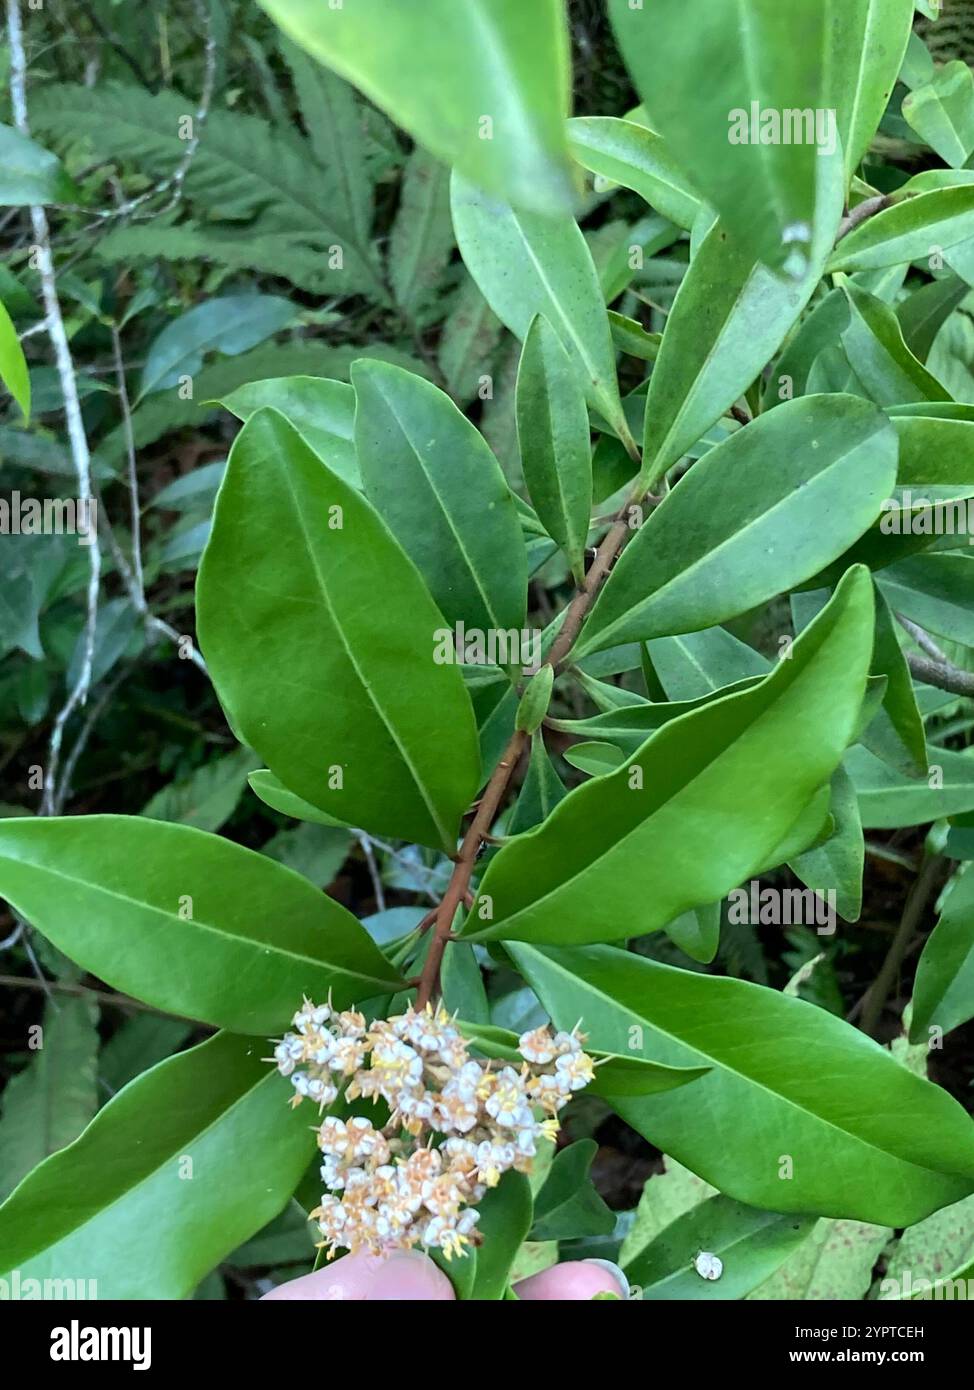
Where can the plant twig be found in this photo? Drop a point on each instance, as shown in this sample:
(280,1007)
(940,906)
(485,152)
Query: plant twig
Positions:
(72,409)
(861,212)
(874,999)
(478,832)
(935,668)
(118,1001)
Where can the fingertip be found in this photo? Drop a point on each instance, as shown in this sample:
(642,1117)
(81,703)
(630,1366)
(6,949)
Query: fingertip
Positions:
(403,1275)
(577,1281)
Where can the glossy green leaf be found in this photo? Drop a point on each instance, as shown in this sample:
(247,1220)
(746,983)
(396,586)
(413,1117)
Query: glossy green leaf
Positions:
(697,932)
(838,863)
(13,364)
(594,759)
(888,800)
(49,1102)
(697,663)
(923,313)
(540,793)
(749,64)
(868,39)
(942,112)
(907,231)
(322,411)
(29,174)
(897,732)
(835,1262)
(186,921)
(615,1074)
(873,340)
(805,1092)
(526,264)
(709,552)
(535,700)
(505,1219)
(928,1258)
(229,325)
(730,316)
(628,154)
(555,441)
(432,478)
(568,1205)
(936,591)
(483,85)
(218,1108)
(338,693)
(943,992)
(273,793)
(616,857)
(750,1244)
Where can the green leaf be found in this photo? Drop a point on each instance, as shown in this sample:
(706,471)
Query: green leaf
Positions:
(468,342)
(942,112)
(897,731)
(568,1206)
(13,364)
(698,663)
(594,759)
(838,863)
(614,859)
(615,1075)
(751,1245)
(526,264)
(421,241)
(943,992)
(540,793)
(907,231)
(888,800)
(432,478)
(230,325)
(936,591)
(504,62)
(806,1093)
(29,174)
(535,700)
(628,154)
(333,117)
(505,1219)
(208,798)
(140,1042)
(835,1262)
(321,410)
(884,364)
(402,736)
(931,1254)
(245,171)
(162,1163)
(923,313)
(708,553)
(730,316)
(697,932)
(316,852)
(745,58)
(185,921)
(555,440)
(273,793)
(48,1104)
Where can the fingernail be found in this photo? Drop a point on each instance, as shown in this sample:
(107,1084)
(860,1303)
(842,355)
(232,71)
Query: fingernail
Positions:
(617,1274)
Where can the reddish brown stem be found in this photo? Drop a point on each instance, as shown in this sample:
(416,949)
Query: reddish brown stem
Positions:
(478,832)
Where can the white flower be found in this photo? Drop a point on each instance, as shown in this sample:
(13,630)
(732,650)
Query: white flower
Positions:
(537,1046)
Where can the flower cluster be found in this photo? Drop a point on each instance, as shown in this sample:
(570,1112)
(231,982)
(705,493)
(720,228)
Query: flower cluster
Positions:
(456,1123)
